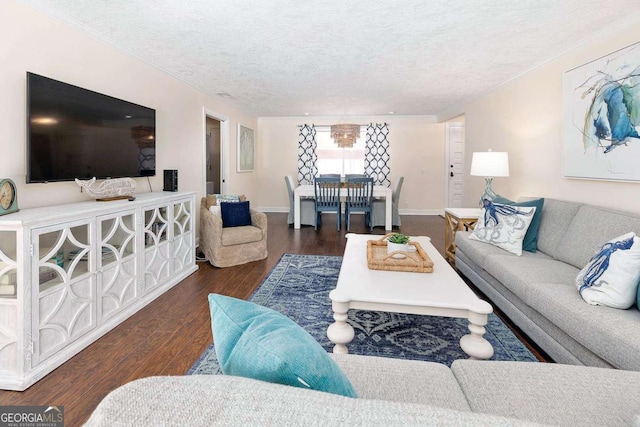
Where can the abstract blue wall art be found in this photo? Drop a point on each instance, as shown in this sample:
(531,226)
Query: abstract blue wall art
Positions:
(601,117)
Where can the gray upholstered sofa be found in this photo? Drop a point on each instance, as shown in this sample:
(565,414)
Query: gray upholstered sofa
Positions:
(537,291)
(392,392)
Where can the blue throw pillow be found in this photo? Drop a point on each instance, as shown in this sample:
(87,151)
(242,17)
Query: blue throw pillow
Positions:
(235,214)
(256,342)
(530,242)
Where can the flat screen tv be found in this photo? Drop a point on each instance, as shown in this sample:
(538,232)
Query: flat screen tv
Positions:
(77,133)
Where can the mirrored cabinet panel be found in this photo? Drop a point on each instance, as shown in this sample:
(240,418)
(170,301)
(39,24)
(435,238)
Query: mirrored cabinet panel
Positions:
(156,224)
(64,253)
(8,264)
(118,262)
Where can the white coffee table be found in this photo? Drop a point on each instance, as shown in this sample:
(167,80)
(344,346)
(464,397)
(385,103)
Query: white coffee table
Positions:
(441,293)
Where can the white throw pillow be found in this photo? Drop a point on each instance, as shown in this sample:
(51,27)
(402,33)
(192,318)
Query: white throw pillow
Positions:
(611,276)
(503,226)
(215,210)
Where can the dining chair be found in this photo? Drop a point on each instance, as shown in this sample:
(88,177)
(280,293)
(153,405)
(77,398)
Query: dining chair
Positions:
(330,175)
(307,206)
(378,214)
(359,199)
(354,175)
(327,199)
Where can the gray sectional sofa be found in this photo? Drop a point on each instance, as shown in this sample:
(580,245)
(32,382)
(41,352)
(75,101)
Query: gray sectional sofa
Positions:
(537,290)
(391,392)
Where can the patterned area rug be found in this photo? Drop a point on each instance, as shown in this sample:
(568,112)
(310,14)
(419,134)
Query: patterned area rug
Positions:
(299,287)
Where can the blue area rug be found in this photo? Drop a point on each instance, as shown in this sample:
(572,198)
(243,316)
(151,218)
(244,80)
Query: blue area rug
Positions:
(299,287)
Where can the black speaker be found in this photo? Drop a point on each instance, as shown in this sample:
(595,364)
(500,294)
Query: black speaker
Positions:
(170,180)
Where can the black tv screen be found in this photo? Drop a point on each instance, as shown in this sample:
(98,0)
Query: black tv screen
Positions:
(77,133)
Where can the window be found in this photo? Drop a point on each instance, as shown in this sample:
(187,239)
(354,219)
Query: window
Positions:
(333,159)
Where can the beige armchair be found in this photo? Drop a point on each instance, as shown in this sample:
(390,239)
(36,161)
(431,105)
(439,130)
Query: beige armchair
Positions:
(225,247)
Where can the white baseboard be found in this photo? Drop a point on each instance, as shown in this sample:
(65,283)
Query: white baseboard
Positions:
(276,209)
(421,211)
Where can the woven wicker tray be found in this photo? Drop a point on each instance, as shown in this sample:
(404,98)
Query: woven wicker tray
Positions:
(379,259)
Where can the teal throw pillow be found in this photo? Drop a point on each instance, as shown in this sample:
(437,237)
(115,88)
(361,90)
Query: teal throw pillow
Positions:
(530,242)
(256,342)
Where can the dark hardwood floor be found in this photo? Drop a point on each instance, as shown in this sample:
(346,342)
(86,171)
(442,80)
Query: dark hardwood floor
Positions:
(168,336)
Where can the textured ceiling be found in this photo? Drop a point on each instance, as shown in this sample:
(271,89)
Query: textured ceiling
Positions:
(343,57)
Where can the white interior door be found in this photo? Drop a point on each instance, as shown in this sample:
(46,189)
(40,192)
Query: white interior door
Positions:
(455,165)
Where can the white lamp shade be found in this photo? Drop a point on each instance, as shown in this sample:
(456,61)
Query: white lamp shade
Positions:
(490,163)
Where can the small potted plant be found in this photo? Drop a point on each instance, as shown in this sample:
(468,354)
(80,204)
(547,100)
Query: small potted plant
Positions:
(397,242)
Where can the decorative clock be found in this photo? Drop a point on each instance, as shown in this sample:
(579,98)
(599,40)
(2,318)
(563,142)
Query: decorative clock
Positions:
(8,197)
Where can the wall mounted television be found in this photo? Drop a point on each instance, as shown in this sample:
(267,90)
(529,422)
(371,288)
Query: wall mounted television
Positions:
(77,133)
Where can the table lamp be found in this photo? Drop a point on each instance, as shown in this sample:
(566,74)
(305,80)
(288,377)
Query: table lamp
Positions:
(489,164)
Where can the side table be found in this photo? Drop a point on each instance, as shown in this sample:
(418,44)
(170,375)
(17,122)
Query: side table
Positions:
(457,219)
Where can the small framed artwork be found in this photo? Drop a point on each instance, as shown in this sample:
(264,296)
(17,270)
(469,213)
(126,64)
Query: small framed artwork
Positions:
(246,149)
(601,124)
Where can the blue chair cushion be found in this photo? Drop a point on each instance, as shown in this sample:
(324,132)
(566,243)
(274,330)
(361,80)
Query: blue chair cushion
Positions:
(256,342)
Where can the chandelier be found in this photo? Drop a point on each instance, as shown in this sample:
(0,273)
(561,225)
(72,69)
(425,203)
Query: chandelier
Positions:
(345,135)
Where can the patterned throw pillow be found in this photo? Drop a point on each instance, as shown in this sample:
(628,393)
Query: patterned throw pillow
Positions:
(216,199)
(611,276)
(226,198)
(503,226)
(530,242)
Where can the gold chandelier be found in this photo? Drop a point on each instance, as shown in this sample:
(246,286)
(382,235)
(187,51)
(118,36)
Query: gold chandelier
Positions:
(345,134)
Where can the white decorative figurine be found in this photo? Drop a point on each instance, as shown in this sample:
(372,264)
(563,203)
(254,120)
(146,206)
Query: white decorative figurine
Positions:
(120,188)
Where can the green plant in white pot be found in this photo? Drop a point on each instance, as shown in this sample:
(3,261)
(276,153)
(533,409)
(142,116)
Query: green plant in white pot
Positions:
(398,242)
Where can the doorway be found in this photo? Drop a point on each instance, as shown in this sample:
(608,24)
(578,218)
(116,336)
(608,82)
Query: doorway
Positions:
(213,156)
(455,164)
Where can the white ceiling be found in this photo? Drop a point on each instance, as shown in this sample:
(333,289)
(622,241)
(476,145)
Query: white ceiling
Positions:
(344,57)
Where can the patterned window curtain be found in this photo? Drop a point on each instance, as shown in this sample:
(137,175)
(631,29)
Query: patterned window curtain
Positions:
(307,158)
(377,160)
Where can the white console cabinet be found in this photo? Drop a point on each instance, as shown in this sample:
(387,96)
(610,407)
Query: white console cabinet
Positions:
(70,273)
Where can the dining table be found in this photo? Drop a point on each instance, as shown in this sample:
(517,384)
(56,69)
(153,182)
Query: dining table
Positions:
(379,191)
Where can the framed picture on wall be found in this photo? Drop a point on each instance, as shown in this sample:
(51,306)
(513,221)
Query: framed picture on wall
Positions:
(601,117)
(246,149)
